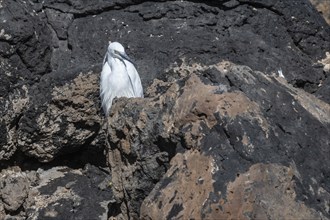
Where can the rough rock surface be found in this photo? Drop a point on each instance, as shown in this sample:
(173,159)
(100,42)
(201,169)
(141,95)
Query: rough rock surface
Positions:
(209,128)
(323,6)
(70,119)
(237,115)
(58,193)
(47,47)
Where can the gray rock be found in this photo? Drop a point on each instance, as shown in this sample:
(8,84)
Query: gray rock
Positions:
(65,193)
(236,116)
(69,120)
(59,192)
(323,7)
(49,46)
(14,188)
(25,56)
(202,141)
(60,22)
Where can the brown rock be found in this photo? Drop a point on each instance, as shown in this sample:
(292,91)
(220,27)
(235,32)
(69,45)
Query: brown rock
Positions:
(323,6)
(14,187)
(201,141)
(183,197)
(69,121)
(265,191)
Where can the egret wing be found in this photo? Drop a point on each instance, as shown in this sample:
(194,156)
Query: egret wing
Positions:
(105,91)
(135,79)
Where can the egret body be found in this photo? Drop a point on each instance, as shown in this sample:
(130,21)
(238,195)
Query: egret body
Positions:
(119,77)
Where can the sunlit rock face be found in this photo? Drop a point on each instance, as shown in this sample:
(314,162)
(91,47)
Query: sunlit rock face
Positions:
(235,114)
(207,148)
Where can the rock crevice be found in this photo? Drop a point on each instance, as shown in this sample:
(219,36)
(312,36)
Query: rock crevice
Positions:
(233,89)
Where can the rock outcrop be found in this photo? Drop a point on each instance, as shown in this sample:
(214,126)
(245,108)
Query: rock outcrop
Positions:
(236,114)
(323,6)
(59,193)
(237,141)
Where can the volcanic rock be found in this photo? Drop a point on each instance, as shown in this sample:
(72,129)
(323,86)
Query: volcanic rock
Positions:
(236,114)
(211,143)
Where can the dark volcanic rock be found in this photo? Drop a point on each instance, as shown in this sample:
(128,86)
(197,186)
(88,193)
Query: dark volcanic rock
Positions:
(57,193)
(204,135)
(45,45)
(63,121)
(204,121)
(14,188)
(25,55)
(323,6)
(63,193)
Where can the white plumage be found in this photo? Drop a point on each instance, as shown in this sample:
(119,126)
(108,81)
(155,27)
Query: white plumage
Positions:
(119,77)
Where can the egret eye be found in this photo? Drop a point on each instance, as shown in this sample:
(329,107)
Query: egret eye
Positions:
(119,55)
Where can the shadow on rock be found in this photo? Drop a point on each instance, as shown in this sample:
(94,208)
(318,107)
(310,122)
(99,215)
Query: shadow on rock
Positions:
(202,137)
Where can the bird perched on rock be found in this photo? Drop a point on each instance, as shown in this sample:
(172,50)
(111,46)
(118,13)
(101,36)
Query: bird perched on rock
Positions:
(119,77)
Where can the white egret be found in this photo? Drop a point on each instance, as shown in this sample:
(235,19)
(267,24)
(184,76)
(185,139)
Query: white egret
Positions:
(119,77)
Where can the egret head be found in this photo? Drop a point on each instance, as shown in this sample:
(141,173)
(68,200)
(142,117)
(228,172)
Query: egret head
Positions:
(116,50)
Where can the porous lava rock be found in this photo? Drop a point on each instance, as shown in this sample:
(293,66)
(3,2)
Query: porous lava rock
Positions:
(58,192)
(240,85)
(205,138)
(323,6)
(50,46)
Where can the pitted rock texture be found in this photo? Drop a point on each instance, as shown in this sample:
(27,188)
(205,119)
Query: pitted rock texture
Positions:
(239,117)
(58,193)
(205,130)
(14,187)
(323,6)
(69,119)
(46,45)
(25,55)
(263,192)
(184,190)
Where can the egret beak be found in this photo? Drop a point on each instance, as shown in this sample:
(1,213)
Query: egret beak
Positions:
(124,56)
